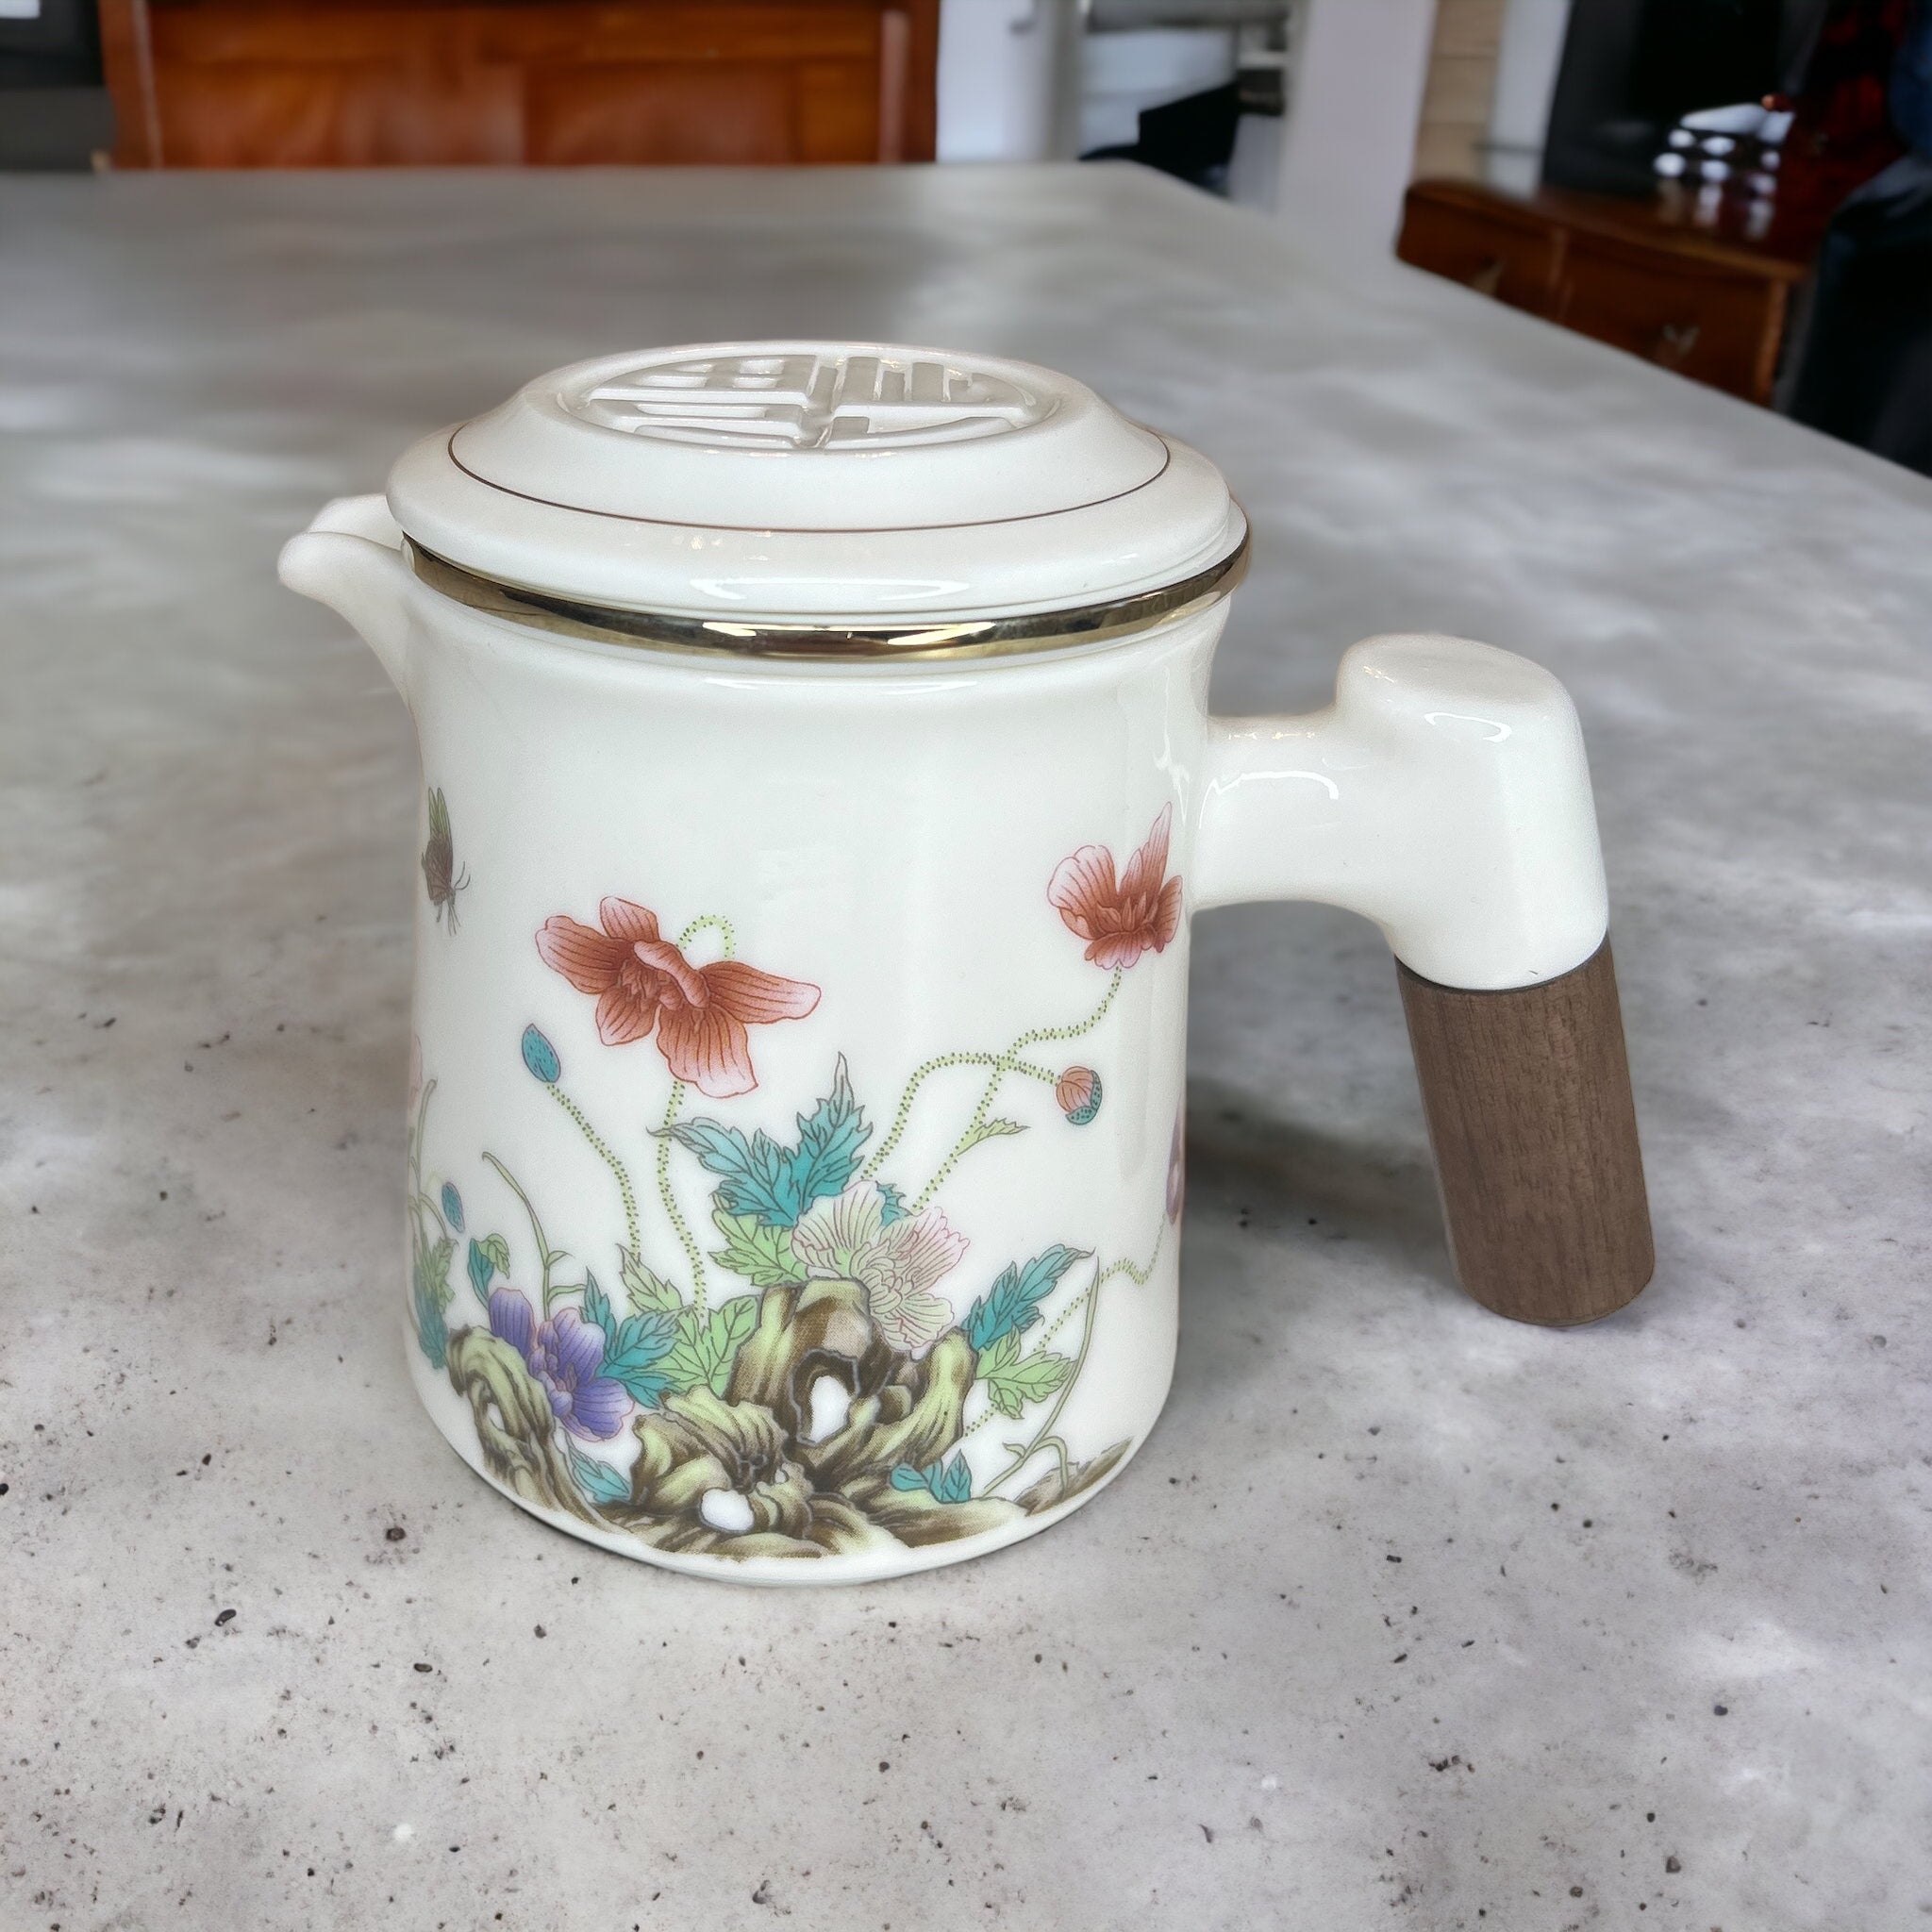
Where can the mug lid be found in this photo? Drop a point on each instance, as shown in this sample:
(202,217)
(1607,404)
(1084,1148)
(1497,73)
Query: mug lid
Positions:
(817,493)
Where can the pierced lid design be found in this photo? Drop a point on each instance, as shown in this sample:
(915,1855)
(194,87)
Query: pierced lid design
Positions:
(801,484)
(828,398)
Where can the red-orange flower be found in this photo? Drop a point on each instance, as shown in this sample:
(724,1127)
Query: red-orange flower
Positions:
(1120,920)
(642,981)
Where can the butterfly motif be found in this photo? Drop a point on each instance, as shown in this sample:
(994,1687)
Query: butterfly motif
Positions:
(439,874)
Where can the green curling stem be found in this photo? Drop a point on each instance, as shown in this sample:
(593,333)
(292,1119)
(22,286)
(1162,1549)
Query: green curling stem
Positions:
(711,922)
(419,1199)
(1139,1277)
(1008,1063)
(1089,1299)
(691,1251)
(548,1256)
(610,1159)
(1043,1435)
(936,1065)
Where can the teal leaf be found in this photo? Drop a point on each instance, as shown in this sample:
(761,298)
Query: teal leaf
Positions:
(829,1139)
(762,1254)
(452,1206)
(635,1353)
(541,1058)
(891,1202)
(755,1176)
(1011,1306)
(597,1308)
(644,1288)
(598,1480)
(946,1482)
(954,1482)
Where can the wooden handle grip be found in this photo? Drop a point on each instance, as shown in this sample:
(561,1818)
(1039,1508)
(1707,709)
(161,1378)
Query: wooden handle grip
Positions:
(1527,1094)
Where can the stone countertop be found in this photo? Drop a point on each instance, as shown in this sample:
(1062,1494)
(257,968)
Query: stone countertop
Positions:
(1405,1616)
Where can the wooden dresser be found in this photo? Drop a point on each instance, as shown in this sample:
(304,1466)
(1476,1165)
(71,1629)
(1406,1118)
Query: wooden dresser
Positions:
(435,83)
(1711,309)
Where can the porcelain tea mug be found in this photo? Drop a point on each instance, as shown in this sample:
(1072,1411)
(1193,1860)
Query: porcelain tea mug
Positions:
(818,787)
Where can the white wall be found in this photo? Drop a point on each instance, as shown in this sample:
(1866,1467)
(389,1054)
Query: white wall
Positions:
(997,99)
(1526,66)
(1356,79)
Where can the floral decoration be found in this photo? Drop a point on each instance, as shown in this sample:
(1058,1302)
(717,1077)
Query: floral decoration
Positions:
(566,1356)
(1119,919)
(1078,1092)
(642,981)
(825,1379)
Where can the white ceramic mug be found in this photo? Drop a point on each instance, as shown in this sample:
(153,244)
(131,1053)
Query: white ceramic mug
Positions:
(818,785)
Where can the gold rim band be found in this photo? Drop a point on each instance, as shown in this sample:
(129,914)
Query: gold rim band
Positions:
(986,637)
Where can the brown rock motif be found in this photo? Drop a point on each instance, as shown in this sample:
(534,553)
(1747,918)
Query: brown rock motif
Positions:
(515,1427)
(805,1497)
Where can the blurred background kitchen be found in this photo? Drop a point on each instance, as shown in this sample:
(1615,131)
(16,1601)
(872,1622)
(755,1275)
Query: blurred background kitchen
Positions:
(1739,191)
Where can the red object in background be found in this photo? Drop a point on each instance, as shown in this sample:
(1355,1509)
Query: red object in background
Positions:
(1842,132)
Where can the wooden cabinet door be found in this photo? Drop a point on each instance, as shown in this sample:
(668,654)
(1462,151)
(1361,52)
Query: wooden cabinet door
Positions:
(1707,322)
(389,83)
(1510,253)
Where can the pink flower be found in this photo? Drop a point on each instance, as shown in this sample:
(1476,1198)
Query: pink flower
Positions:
(898,1263)
(1121,920)
(642,981)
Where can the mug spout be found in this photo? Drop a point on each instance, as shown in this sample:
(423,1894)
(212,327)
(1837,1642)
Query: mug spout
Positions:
(350,558)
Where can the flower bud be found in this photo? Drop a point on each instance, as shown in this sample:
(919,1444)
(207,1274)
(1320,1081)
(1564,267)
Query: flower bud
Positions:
(541,1058)
(1078,1092)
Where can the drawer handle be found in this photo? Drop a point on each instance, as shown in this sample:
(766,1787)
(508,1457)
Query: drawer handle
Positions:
(1489,277)
(1674,343)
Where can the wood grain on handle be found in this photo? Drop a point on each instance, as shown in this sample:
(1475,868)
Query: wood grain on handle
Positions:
(1527,1093)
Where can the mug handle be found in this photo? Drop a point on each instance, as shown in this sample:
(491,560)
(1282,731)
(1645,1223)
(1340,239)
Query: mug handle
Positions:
(1445,795)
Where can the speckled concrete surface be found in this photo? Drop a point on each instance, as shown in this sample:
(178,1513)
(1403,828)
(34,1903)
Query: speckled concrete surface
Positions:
(1405,1616)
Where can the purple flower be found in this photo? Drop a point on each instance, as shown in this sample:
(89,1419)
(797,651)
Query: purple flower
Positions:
(566,1355)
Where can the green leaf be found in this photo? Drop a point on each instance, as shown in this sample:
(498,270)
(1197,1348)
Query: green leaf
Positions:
(706,1346)
(1012,1383)
(906,1478)
(598,1480)
(990,1130)
(597,1308)
(432,1271)
(762,1254)
(429,1295)
(1001,1356)
(489,1257)
(645,1290)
